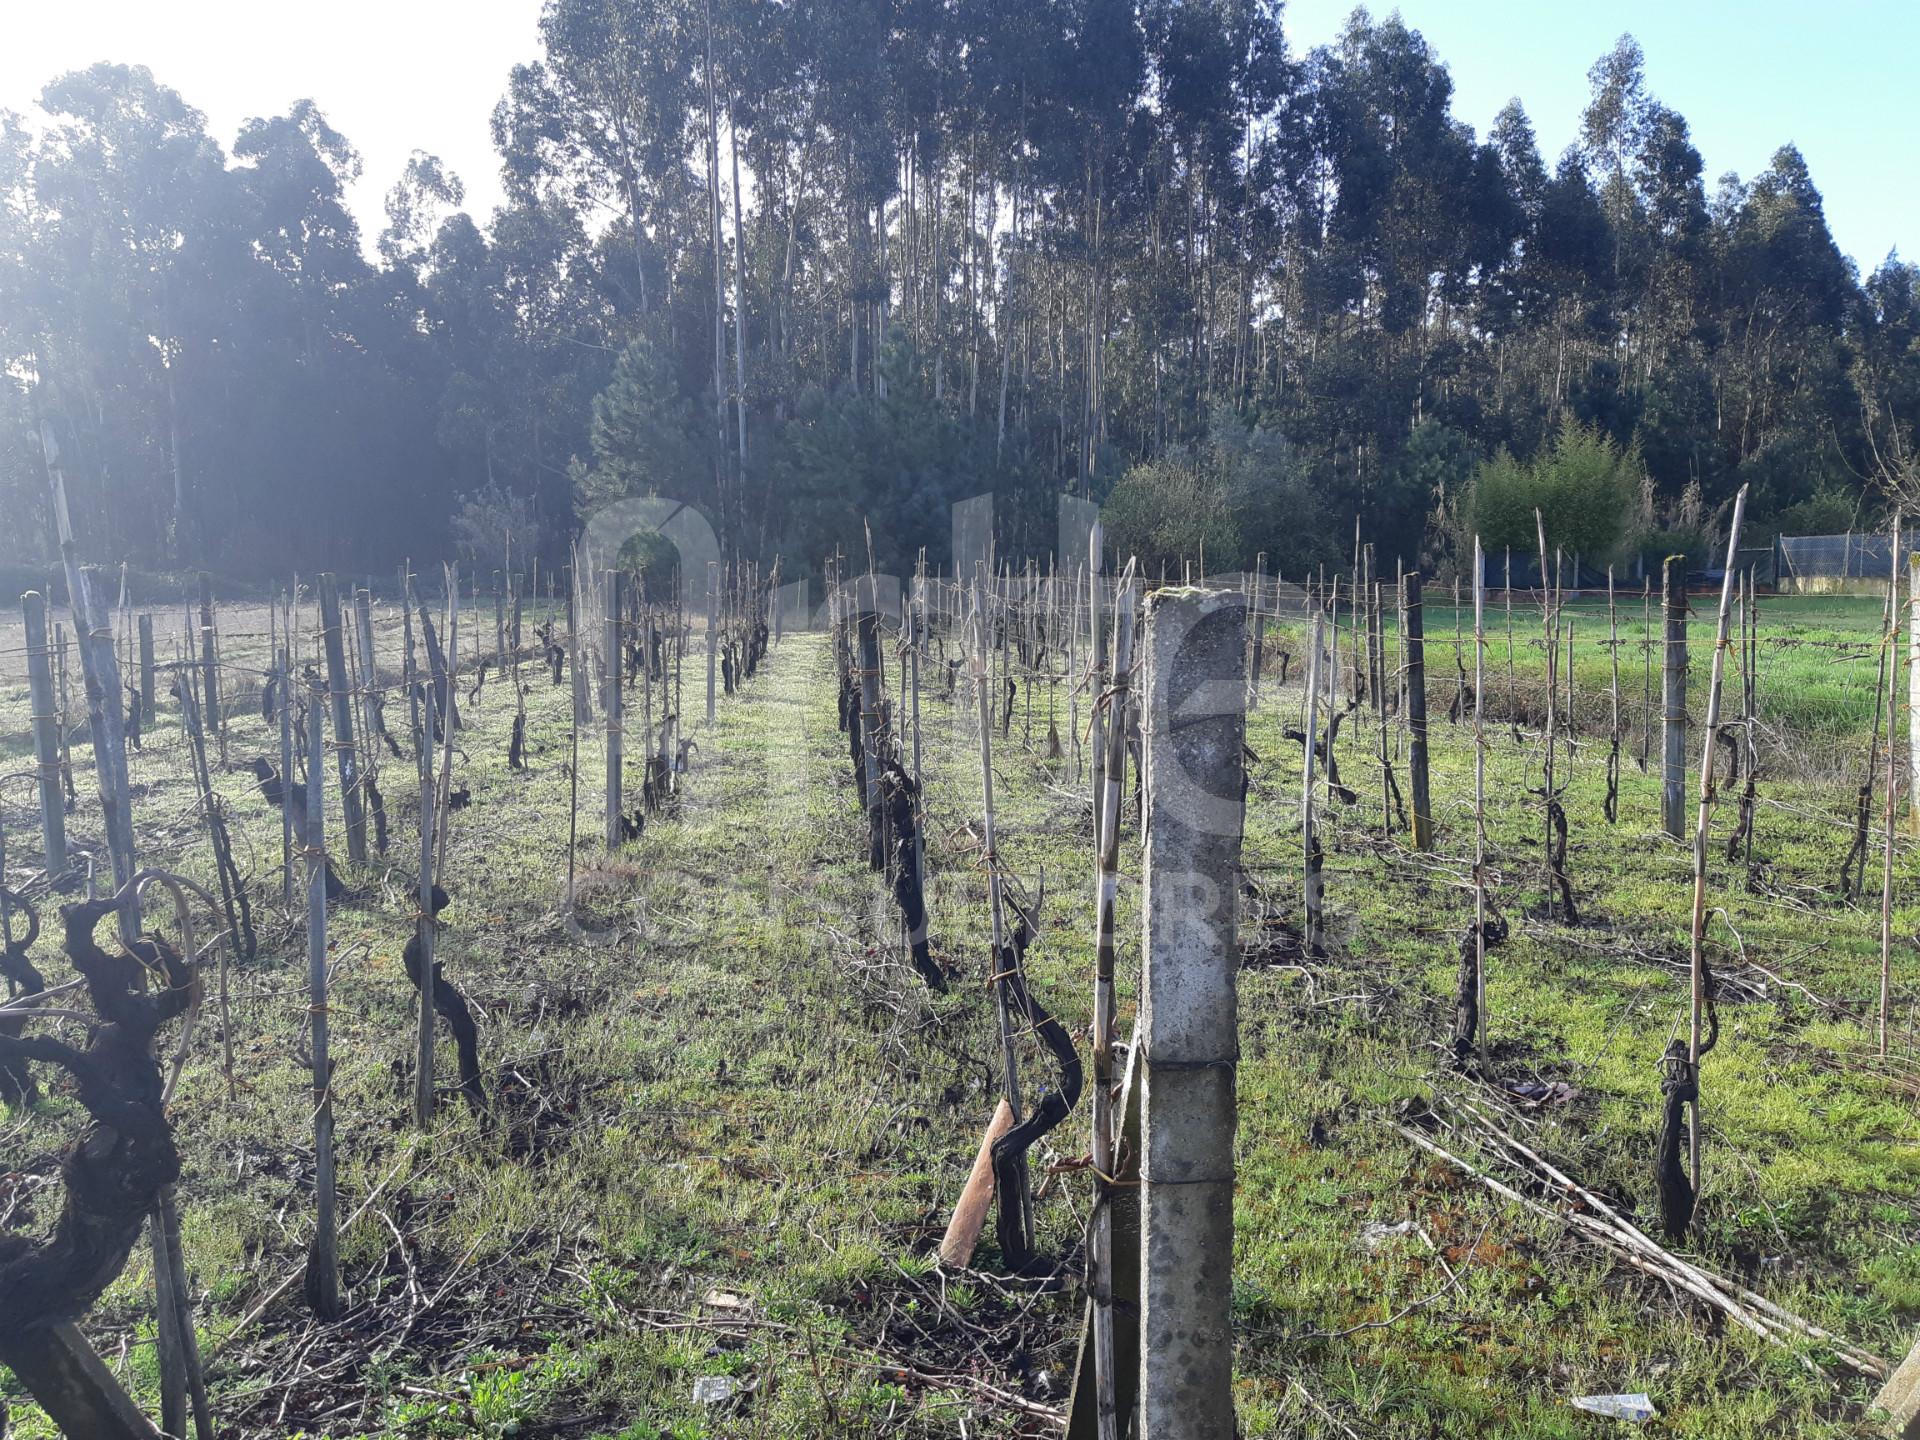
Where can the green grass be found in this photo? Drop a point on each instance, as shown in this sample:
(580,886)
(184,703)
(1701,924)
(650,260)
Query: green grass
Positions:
(1818,679)
(745,1090)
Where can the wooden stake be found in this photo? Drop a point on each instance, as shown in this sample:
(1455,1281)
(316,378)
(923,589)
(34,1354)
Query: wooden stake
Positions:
(105,719)
(1414,646)
(340,690)
(872,720)
(1673,772)
(72,1384)
(323,1259)
(1309,840)
(46,737)
(285,691)
(1613,701)
(443,806)
(146,669)
(1646,680)
(421,711)
(1886,863)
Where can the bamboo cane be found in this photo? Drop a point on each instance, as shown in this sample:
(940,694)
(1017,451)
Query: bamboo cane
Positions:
(1310,884)
(1892,643)
(1480,803)
(1010,1073)
(1107,864)
(1546,640)
(1704,813)
(613,703)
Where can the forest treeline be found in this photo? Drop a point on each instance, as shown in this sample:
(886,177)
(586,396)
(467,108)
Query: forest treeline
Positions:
(808,265)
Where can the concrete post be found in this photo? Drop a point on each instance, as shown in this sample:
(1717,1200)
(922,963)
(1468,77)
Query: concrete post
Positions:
(1195,725)
(1673,693)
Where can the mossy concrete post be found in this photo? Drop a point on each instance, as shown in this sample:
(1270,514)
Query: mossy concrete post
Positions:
(1414,642)
(1195,727)
(46,734)
(1673,699)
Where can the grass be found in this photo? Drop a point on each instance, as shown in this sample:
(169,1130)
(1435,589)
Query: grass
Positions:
(1817,695)
(743,1106)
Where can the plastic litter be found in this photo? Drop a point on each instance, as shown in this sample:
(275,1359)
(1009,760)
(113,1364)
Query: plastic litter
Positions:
(714,1389)
(1375,1235)
(1636,1408)
(1543,1092)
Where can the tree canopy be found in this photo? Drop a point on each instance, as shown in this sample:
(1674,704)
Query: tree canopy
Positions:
(806,265)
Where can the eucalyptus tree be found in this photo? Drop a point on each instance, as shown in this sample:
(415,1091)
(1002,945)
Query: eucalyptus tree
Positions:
(601,120)
(125,182)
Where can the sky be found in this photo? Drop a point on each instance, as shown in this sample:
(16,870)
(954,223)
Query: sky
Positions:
(394,76)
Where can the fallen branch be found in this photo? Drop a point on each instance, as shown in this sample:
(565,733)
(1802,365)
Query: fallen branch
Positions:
(1599,1223)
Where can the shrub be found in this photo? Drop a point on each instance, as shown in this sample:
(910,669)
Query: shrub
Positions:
(496,527)
(1171,510)
(1585,488)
